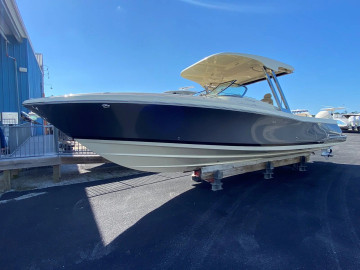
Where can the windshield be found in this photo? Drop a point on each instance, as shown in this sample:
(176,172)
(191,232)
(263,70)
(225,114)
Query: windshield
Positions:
(229,89)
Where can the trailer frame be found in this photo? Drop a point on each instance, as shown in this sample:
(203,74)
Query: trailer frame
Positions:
(215,173)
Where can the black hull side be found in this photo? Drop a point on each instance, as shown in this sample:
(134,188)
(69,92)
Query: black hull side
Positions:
(181,124)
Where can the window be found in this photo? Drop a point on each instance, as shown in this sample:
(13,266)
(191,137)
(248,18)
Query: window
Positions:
(229,89)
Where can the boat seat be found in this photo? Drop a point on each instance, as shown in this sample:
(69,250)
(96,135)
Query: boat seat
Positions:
(267,99)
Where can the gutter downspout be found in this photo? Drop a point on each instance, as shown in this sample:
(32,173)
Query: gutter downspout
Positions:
(16,79)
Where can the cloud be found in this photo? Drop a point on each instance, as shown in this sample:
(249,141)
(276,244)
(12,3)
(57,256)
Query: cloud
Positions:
(119,8)
(229,7)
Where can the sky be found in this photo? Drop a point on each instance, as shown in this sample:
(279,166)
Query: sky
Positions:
(143,45)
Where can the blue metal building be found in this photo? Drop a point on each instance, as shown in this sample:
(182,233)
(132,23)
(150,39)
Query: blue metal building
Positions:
(21,71)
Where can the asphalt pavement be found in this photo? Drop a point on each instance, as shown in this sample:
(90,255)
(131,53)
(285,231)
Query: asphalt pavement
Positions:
(298,220)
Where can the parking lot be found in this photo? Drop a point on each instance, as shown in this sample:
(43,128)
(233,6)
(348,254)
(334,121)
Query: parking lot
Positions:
(298,220)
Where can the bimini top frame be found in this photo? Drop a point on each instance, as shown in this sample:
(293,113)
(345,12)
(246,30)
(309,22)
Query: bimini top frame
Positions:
(243,68)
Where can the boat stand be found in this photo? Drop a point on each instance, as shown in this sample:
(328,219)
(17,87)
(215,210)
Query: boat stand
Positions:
(269,171)
(216,183)
(215,173)
(301,166)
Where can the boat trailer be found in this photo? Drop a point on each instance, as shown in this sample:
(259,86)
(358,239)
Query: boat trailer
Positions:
(215,173)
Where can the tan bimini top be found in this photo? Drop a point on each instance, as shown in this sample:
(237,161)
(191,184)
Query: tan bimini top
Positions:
(224,67)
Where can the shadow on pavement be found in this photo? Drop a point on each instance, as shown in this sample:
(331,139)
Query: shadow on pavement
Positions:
(296,220)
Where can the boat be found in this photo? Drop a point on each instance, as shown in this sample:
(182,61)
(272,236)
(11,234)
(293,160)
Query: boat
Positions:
(170,132)
(346,121)
(328,112)
(353,120)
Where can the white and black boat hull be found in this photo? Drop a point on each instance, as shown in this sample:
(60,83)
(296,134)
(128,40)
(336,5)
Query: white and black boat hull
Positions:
(169,134)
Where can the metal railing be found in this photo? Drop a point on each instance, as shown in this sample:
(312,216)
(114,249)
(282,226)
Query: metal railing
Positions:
(30,140)
(68,146)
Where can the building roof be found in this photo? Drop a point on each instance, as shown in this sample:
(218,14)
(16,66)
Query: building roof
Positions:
(11,22)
